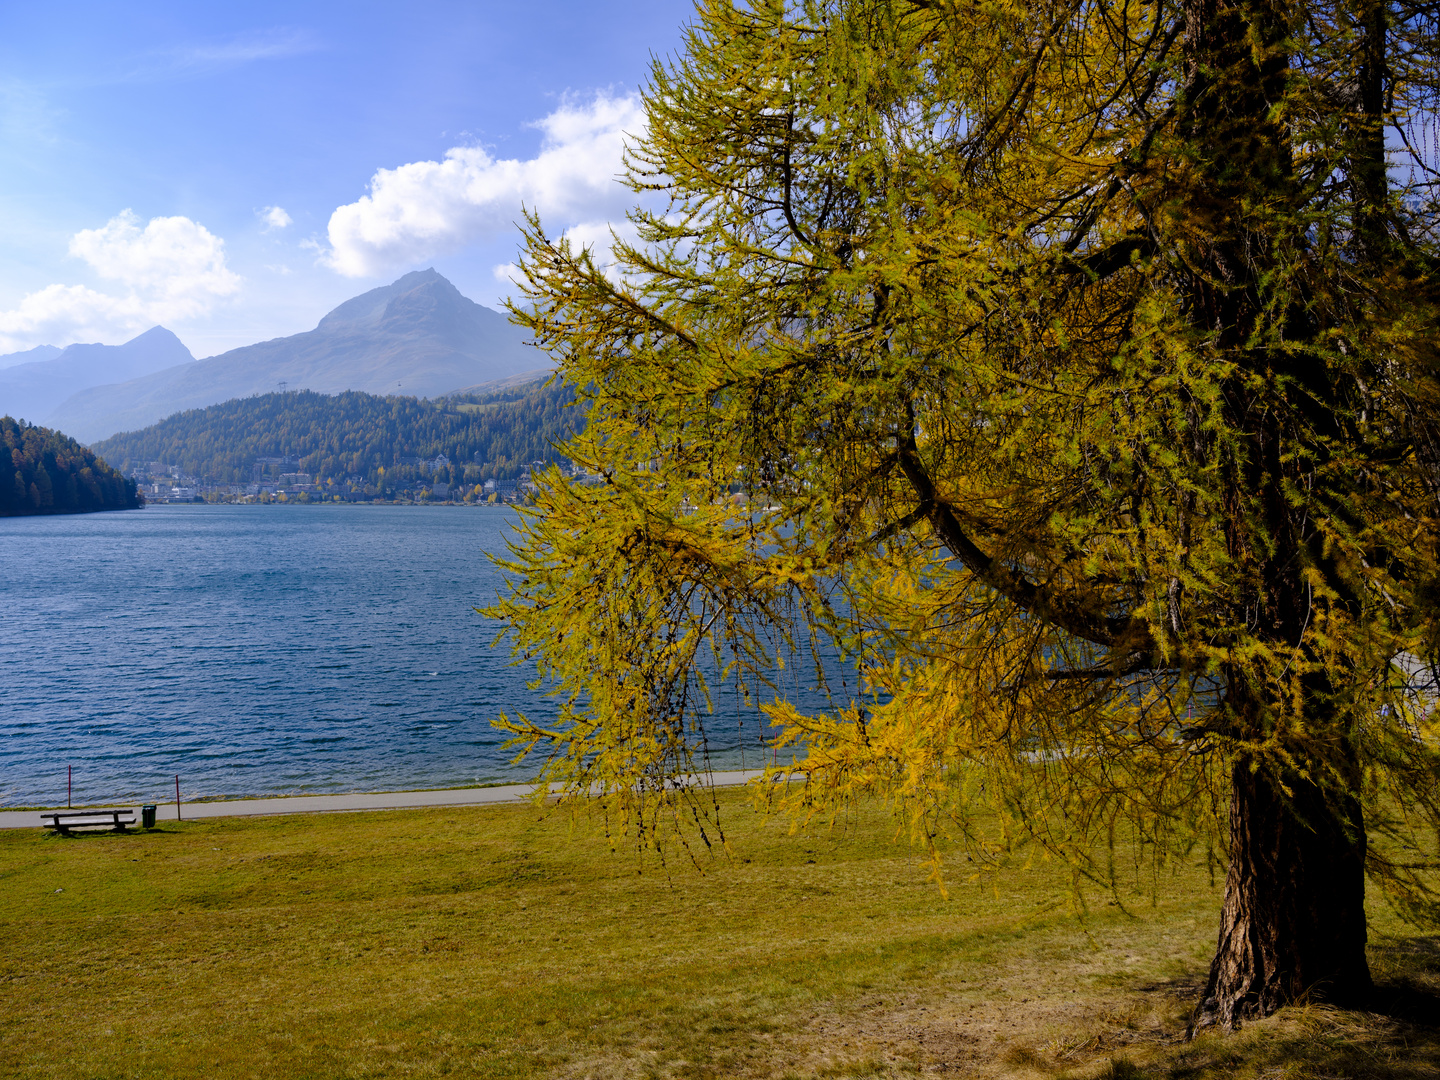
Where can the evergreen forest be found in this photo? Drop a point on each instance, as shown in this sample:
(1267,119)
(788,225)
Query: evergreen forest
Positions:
(382,440)
(51,473)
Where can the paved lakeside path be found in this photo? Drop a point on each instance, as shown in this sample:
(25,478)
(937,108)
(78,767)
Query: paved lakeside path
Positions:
(320,804)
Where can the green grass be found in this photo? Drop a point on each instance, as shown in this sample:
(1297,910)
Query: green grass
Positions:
(501,942)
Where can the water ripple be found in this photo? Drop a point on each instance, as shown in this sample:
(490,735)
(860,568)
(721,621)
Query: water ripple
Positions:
(227,643)
(261,650)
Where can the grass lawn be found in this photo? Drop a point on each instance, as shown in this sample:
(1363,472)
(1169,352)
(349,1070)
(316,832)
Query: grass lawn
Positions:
(505,942)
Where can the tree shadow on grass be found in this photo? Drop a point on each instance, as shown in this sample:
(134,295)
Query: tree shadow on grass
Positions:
(1407,988)
(110,834)
(1394,1035)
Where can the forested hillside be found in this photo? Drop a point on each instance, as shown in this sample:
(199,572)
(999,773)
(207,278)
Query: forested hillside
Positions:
(50,473)
(356,435)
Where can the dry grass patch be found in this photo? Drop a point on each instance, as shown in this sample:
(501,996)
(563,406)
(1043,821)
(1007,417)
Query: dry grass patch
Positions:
(502,943)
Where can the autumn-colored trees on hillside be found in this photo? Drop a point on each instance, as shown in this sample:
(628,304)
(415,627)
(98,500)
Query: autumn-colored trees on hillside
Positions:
(50,473)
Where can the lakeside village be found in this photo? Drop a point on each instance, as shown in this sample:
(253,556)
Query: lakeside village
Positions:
(279,480)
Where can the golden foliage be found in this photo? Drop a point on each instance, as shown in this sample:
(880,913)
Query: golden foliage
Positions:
(1083,420)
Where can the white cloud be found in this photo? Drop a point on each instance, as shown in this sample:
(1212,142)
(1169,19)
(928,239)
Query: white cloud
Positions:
(274,217)
(61,314)
(172,269)
(426,207)
(599,237)
(173,259)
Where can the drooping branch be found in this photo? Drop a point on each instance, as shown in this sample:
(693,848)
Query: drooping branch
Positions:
(1101,264)
(1112,632)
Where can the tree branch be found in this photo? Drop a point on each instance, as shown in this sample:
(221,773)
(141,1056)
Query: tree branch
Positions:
(1109,631)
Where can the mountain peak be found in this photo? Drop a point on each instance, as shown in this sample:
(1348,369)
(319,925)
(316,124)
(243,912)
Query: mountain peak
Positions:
(156,348)
(33,389)
(369,308)
(416,277)
(418,336)
(155,337)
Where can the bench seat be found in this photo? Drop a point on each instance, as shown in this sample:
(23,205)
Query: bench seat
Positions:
(64,821)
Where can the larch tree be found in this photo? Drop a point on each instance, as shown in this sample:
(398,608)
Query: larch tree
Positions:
(1071,368)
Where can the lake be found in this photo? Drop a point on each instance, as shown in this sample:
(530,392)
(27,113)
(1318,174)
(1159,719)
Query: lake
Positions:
(256,650)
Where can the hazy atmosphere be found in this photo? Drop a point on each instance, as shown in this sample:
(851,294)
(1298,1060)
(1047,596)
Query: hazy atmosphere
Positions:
(232,172)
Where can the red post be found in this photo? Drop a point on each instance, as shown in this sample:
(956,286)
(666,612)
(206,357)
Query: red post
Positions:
(177,799)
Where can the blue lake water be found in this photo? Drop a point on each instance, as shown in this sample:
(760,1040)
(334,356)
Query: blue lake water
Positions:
(256,650)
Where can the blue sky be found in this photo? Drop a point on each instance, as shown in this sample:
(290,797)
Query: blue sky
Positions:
(233,171)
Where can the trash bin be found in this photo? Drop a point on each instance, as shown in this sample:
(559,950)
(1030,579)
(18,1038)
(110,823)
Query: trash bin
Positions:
(147,816)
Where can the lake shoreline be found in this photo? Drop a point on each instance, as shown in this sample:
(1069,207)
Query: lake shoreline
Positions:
(351,802)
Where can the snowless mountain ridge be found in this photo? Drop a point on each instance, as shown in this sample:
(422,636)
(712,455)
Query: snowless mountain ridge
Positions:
(33,389)
(418,336)
(30,356)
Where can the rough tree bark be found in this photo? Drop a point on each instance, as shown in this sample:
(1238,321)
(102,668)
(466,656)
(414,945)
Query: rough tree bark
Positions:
(1293,921)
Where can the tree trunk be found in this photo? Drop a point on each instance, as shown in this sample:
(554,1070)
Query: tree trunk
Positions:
(1368,159)
(1293,924)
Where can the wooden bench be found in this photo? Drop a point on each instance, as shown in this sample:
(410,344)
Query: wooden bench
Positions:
(66,821)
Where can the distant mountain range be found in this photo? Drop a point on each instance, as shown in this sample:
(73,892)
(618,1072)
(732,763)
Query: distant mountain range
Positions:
(416,337)
(33,390)
(39,352)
